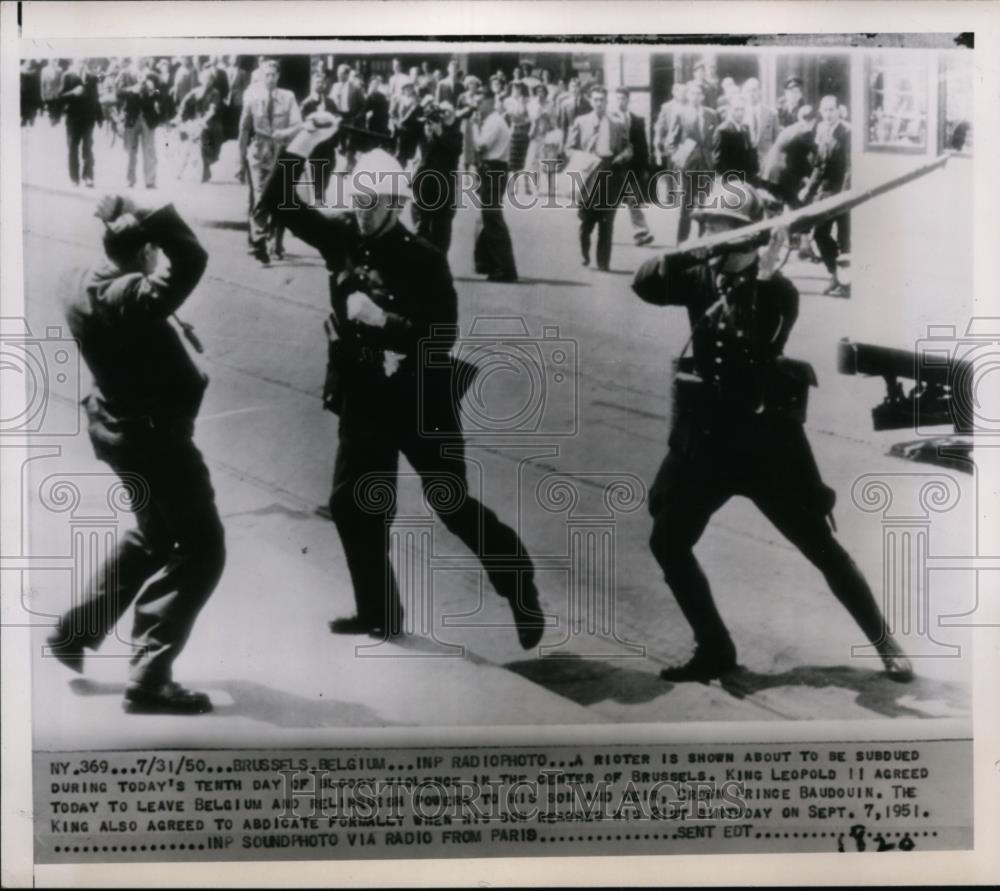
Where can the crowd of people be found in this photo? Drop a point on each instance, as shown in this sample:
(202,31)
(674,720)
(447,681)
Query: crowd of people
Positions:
(797,152)
(512,131)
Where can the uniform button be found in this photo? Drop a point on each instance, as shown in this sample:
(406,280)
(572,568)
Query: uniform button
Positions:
(718,360)
(718,343)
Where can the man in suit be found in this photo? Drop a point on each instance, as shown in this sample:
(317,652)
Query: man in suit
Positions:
(704,76)
(185,79)
(573,104)
(271,117)
(449,86)
(239,80)
(833,164)
(690,146)
(138,90)
(349,99)
(761,121)
(82,108)
(637,170)
(732,147)
(665,122)
(598,133)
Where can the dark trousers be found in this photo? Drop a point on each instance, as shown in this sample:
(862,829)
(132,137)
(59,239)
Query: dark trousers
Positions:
(692,184)
(829,250)
(435,225)
(598,207)
(80,141)
(262,224)
(168,566)
(604,221)
(844,233)
(363,504)
(494,252)
(779,474)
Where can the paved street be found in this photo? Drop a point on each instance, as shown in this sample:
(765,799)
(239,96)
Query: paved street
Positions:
(261,647)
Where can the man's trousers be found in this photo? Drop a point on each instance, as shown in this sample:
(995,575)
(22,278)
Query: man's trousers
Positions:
(363,505)
(494,252)
(774,469)
(80,142)
(167,566)
(141,135)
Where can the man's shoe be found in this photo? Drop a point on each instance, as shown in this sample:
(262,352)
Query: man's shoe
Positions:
(88,182)
(643,240)
(69,652)
(375,627)
(279,252)
(528,616)
(702,667)
(837,289)
(167,699)
(260,253)
(499,277)
(897,666)
(603,267)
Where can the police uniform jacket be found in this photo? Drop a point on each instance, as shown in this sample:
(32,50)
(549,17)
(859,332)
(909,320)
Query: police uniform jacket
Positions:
(144,379)
(735,340)
(406,276)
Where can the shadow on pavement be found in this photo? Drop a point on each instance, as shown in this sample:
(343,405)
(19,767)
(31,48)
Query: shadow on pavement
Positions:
(550,282)
(588,681)
(875,691)
(262,703)
(234,225)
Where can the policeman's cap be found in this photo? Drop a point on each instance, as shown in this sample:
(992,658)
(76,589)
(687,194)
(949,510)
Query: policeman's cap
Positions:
(793,82)
(731,199)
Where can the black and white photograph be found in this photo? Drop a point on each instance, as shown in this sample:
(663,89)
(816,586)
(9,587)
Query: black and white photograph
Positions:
(503,445)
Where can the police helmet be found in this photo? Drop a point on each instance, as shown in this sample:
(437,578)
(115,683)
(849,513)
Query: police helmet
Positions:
(378,173)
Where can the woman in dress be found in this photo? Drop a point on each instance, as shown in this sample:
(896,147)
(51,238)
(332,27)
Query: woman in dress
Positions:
(200,115)
(540,146)
(516,113)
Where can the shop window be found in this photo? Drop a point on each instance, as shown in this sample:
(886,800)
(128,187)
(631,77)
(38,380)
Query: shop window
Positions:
(896,103)
(956,103)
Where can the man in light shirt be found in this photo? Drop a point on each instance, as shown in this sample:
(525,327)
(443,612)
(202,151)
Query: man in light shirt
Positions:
(607,137)
(270,119)
(494,252)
